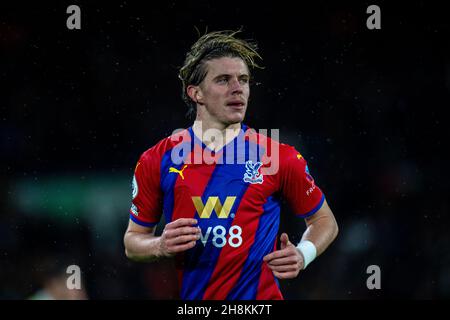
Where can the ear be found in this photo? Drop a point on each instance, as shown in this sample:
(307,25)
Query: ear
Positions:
(195,93)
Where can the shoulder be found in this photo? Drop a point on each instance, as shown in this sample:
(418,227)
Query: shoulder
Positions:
(158,150)
(289,153)
(153,156)
(273,147)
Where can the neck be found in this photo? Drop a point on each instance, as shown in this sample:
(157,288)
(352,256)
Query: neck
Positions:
(215,134)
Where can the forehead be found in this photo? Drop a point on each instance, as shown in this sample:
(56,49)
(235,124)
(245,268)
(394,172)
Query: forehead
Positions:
(226,65)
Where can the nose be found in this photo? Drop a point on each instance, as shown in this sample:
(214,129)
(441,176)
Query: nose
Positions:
(235,86)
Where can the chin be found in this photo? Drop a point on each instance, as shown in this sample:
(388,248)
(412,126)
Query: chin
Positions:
(235,118)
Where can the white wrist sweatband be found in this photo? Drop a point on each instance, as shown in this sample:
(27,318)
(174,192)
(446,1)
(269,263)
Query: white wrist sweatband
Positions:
(308,250)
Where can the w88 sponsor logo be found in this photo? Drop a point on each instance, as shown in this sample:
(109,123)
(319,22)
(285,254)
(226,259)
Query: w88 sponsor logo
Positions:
(219,236)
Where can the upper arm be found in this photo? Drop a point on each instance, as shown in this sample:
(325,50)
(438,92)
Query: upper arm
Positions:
(135,239)
(297,184)
(146,207)
(134,227)
(323,213)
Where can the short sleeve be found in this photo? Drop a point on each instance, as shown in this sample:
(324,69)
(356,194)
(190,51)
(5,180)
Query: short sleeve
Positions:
(146,206)
(297,184)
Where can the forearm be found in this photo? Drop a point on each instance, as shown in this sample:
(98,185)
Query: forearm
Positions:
(142,247)
(321,232)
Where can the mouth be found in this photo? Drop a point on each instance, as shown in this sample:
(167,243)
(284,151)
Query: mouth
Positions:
(236,104)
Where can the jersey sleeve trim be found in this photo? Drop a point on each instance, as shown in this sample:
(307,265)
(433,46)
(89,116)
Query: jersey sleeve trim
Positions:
(314,210)
(142,223)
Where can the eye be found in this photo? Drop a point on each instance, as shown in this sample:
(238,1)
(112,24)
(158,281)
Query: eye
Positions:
(244,80)
(222,80)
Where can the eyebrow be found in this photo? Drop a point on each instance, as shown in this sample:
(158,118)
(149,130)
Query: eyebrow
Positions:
(229,75)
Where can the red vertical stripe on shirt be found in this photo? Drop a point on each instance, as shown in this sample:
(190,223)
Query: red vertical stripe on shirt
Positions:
(268,288)
(183,206)
(231,260)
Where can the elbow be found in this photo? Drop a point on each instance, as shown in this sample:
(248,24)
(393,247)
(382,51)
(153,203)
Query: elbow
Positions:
(127,254)
(130,255)
(127,251)
(335,230)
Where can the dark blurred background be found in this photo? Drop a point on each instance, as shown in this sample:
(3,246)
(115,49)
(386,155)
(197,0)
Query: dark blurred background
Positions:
(367,109)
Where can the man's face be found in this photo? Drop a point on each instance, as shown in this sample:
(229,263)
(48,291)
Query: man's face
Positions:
(225,90)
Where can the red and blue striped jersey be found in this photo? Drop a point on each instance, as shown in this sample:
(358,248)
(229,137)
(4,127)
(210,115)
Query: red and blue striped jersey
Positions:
(235,197)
